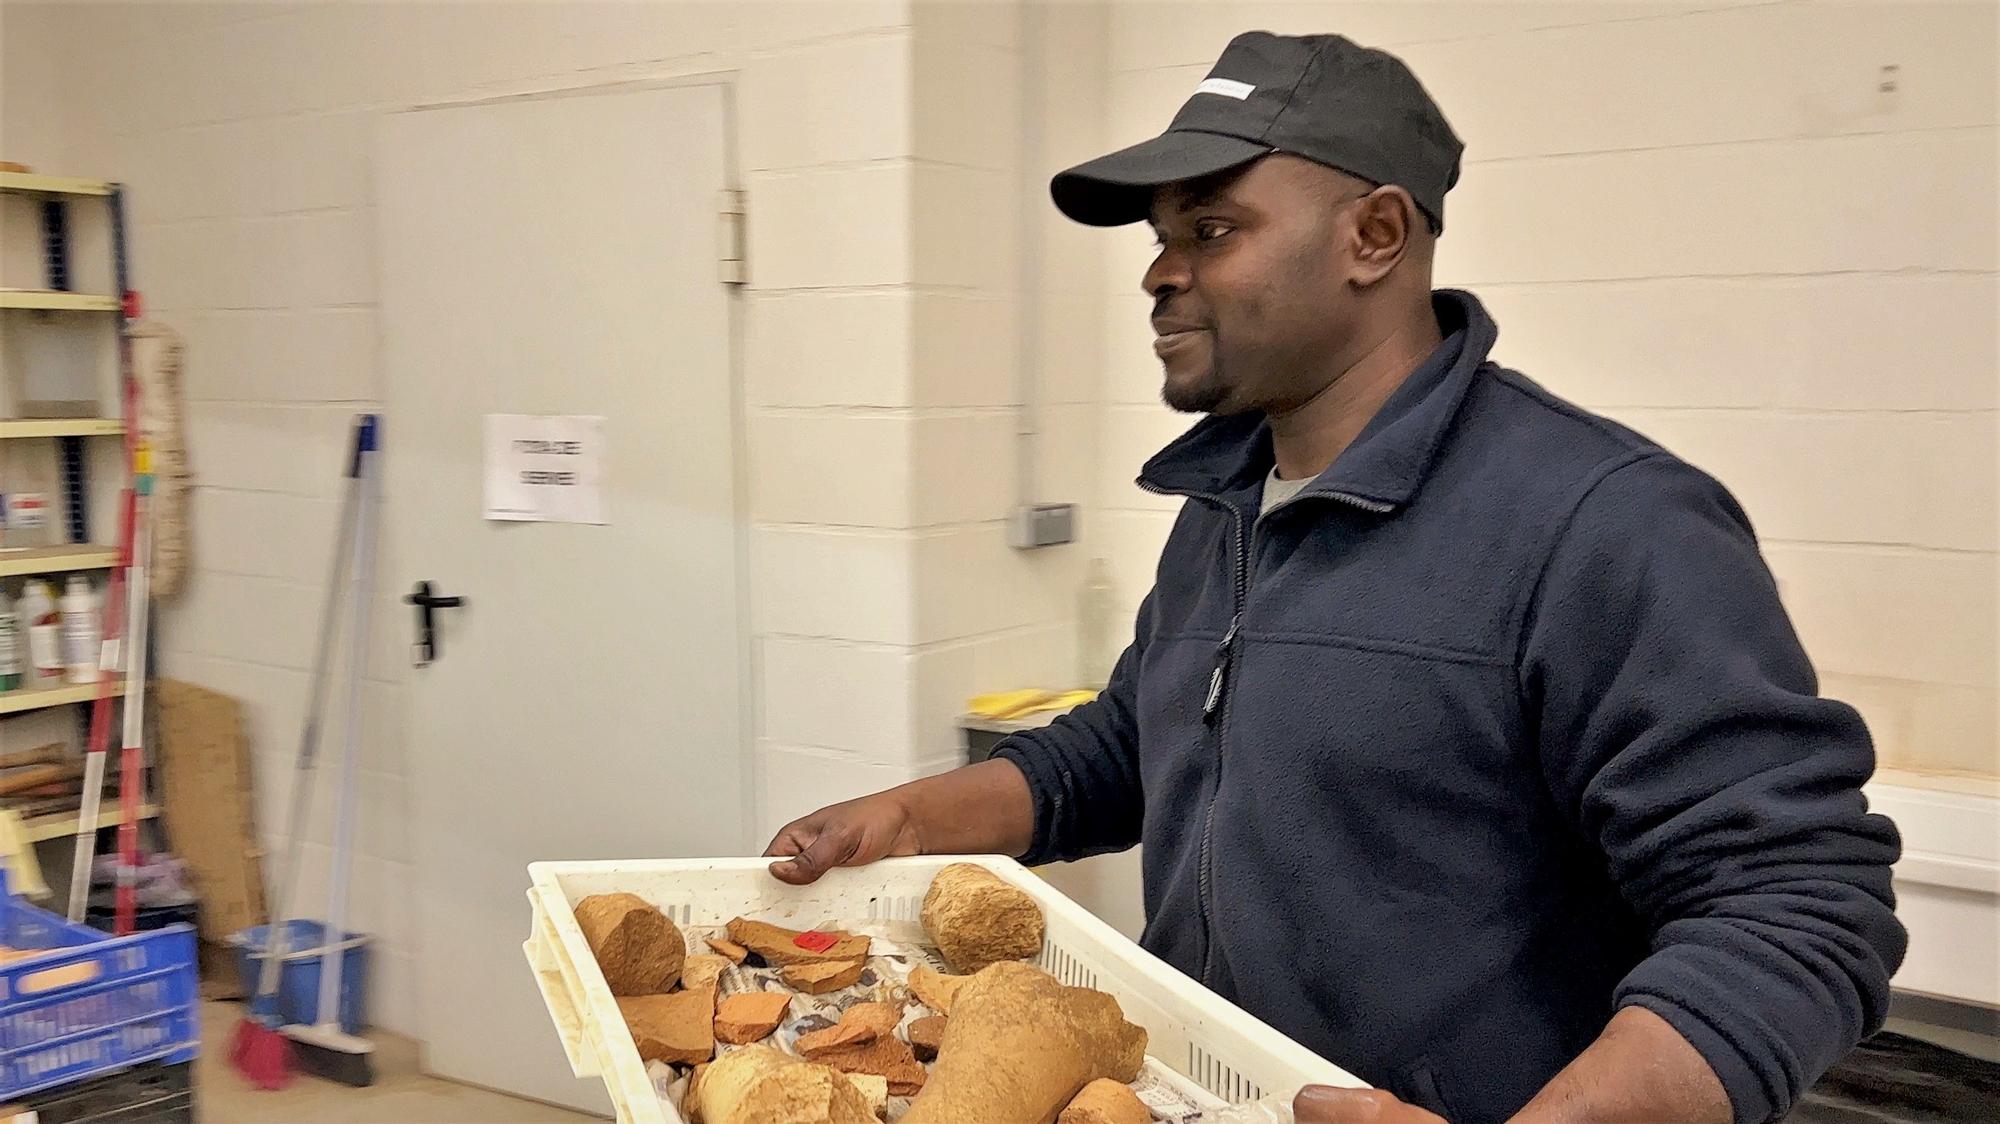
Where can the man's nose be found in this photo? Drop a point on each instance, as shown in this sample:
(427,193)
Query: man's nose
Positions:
(1167,275)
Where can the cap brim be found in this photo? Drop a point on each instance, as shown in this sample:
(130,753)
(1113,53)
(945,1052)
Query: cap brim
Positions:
(1118,189)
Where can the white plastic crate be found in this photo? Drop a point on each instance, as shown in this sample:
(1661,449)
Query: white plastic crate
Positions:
(1191,1030)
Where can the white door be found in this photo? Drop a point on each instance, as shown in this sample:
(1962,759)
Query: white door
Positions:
(557,255)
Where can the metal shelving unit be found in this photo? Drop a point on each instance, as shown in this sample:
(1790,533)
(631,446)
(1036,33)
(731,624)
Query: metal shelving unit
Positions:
(61,427)
(43,828)
(41,698)
(52,197)
(34,183)
(55,300)
(23,561)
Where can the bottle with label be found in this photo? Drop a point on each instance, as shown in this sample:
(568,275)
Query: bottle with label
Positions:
(10,645)
(37,614)
(28,519)
(82,630)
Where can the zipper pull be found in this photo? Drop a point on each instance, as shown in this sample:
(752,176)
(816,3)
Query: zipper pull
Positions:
(1218,676)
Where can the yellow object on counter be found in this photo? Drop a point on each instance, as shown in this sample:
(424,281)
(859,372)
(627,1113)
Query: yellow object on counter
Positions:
(1019,704)
(17,851)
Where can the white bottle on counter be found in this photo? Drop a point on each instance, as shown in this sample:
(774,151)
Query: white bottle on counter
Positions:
(82,630)
(37,612)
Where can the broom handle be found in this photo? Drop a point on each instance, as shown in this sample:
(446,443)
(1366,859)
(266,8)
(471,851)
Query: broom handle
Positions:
(333,958)
(131,764)
(295,825)
(84,856)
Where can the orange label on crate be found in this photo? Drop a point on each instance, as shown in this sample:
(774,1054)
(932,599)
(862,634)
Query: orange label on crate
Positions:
(812,940)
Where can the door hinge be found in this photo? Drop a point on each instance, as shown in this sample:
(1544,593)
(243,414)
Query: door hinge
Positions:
(732,250)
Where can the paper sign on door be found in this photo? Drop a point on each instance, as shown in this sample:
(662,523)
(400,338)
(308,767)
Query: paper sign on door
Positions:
(545,468)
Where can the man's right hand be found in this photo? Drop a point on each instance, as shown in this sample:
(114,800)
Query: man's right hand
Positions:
(979,809)
(853,833)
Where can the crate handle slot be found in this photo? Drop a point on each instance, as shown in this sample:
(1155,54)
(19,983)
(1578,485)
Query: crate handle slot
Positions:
(561,990)
(545,956)
(63,975)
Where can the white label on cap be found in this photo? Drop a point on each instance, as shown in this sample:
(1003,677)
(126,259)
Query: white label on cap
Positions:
(1227,87)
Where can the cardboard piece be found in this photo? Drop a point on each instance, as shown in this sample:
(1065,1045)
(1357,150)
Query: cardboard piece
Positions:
(205,797)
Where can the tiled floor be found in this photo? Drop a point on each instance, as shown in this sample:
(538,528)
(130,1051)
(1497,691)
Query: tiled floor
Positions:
(400,1094)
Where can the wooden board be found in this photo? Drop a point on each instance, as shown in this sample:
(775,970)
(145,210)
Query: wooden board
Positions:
(205,803)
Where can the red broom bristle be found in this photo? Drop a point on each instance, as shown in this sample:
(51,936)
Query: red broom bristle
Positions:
(262,1055)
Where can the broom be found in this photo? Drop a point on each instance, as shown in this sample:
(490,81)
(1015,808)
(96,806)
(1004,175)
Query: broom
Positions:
(325,1048)
(258,1049)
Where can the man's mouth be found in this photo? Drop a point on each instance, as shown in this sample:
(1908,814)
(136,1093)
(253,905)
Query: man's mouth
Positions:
(1172,339)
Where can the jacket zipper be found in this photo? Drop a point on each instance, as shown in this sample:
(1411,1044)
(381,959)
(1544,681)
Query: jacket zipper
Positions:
(1214,708)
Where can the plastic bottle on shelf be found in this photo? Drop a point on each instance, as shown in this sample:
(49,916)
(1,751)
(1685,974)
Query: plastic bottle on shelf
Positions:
(82,630)
(37,614)
(10,645)
(27,519)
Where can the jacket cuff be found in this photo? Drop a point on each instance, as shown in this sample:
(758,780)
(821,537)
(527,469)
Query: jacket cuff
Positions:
(1044,785)
(1751,1100)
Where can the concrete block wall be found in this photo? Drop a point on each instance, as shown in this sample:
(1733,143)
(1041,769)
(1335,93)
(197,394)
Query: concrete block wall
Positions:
(886,592)
(878,352)
(1763,233)
(1020,309)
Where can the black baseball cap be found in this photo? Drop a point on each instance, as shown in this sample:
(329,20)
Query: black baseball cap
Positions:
(1322,97)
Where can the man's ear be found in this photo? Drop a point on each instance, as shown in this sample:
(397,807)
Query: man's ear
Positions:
(1383,226)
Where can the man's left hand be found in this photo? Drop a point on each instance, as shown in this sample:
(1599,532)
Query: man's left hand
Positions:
(1323,1104)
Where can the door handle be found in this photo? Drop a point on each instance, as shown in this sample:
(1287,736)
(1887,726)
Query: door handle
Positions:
(425,651)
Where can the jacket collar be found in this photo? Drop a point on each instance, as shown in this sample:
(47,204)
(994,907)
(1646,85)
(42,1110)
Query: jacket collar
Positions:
(1387,462)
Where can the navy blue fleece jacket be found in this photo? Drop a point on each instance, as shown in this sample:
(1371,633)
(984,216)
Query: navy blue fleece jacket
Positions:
(1497,728)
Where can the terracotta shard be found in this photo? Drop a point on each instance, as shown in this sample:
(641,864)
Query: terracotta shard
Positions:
(760,1085)
(1055,1040)
(678,1028)
(875,1090)
(1105,1101)
(859,1023)
(925,1035)
(887,1057)
(780,946)
(639,951)
(934,989)
(702,970)
(976,918)
(750,1016)
(820,977)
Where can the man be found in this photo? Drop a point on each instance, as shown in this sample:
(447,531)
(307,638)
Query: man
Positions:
(1467,739)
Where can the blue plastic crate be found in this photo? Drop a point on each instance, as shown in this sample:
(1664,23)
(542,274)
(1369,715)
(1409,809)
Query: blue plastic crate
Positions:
(91,1004)
(297,1000)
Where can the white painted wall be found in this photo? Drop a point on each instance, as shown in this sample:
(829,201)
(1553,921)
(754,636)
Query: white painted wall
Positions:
(1712,222)
(1709,221)
(877,359)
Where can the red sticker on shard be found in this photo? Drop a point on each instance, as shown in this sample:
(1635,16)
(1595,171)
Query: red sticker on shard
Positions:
(812,940)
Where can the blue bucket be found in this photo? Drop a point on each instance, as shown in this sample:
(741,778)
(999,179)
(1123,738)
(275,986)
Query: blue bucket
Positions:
(298,977)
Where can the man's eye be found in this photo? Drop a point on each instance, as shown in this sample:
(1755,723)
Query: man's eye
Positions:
(1210,231)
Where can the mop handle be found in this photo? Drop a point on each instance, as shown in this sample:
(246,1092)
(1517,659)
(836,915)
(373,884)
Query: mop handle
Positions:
(130,765)
(329,619)
(134,656)
(333,958)
(83,858)
(84,855)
